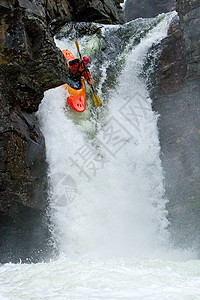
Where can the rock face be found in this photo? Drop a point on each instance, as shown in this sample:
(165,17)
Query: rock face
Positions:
(30,63)
(189,12)
(147,8)
(170,61)
(102,11)
(176,98)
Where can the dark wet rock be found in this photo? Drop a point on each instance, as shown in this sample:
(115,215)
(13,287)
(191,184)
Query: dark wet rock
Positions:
(185,6)
(179,133)
(100,11)
(189,12)
(168,62)
(107,11)
(30,63)
(147,8)
(25,238)
(175,94)
(23,200)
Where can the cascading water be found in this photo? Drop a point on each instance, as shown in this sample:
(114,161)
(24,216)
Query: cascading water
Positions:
(106,190)
(113,162)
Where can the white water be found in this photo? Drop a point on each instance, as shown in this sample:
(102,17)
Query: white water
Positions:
(123,4)
(109,221)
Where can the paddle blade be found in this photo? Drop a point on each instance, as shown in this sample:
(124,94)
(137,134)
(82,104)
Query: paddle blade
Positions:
(97,100)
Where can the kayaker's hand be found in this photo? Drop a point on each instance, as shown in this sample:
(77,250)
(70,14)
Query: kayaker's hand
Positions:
(90,82)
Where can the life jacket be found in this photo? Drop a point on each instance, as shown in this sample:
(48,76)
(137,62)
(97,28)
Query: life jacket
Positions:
(77,70)
(85,72)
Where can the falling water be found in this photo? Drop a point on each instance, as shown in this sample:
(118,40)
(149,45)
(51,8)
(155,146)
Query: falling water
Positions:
(106,190)
(112,162)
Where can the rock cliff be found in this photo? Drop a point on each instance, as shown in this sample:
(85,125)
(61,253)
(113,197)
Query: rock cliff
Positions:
(175,94)
(30,64)
(147,8)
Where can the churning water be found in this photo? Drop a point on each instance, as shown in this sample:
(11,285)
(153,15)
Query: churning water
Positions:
(106,187)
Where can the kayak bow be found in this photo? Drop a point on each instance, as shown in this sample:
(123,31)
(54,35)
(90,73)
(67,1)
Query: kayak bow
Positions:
(76,90)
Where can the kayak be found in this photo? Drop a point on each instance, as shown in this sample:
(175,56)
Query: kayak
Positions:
(76,89)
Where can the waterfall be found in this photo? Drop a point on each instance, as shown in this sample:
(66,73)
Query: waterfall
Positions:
(105,174)
(106,193)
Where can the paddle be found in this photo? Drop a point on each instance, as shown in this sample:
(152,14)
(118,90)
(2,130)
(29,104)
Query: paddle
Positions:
(96,98)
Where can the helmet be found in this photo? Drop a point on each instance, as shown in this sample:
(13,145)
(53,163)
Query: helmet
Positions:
(86,59)
(73,62)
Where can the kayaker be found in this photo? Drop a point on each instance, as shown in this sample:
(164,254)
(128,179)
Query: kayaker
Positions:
(78,68)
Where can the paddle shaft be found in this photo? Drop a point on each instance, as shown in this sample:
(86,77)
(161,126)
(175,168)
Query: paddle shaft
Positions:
(79,52)
(97,100)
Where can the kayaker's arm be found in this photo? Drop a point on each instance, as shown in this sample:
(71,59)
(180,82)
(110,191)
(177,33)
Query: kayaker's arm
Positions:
(87,76)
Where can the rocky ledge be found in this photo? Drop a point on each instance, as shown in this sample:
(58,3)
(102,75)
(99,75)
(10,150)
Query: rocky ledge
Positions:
(30,63)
